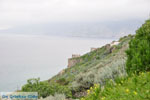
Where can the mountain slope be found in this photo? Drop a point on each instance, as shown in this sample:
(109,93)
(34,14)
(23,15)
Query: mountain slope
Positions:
(107,62)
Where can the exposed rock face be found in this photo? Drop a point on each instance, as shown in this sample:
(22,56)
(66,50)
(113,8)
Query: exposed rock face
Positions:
(73,61)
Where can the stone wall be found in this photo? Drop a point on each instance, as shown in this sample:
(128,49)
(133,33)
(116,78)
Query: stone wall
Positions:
(75,55)
(73,61)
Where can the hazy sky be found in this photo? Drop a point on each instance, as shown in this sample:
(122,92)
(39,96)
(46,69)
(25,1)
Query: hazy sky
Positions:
(14,13)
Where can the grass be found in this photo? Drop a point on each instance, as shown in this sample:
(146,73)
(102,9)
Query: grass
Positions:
(134,87)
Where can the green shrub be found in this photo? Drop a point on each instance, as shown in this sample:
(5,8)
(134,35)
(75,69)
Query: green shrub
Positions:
(134,87)
(45,89)
(61,89)
(62,81)
(34,85)
(138,53)
(115,68)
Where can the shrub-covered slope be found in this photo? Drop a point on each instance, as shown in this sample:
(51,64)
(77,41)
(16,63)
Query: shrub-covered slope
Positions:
(107,62)
(135,87)
(104,63)
(101,74)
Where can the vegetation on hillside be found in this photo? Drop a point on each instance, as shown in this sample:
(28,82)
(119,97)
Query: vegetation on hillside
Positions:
(107,62)
(101,74)
(45,89)
(34,85)
(135,86)
(139,50)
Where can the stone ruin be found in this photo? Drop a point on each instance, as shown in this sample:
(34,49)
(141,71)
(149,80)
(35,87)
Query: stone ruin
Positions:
(93,49)
(75,55)
(72,61)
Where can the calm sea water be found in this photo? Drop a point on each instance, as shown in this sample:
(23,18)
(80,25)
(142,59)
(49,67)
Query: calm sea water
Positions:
(24,57)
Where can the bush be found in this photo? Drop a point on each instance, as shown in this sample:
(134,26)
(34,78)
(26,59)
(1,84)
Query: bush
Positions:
(60,89)
(34,85)
(99,75)
(45,89)
(139,50)
(135,87)
(62,81)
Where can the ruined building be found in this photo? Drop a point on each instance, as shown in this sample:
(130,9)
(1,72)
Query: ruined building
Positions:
(74,60)
(93,49)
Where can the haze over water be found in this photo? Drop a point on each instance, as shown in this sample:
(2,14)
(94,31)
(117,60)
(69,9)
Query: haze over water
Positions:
(25,56)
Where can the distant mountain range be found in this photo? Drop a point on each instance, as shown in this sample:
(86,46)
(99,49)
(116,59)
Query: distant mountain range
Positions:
(86,29)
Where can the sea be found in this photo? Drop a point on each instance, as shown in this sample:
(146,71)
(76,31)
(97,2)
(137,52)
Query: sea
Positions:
(38,56)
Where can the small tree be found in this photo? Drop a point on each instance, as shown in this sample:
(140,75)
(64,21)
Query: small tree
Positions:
(45,89)
(138,54)
(34,85)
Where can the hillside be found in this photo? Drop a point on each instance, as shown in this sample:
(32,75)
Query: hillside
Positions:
(116,71)
(95,67)
(136,85)
(107,62)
